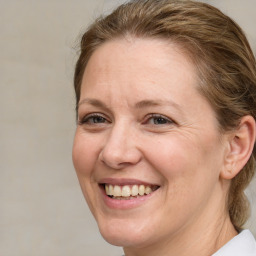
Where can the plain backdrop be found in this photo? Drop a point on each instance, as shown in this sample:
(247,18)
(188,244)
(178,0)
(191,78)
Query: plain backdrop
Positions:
(42,210)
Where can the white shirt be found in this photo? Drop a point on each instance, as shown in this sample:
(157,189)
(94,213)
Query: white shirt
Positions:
(243,244)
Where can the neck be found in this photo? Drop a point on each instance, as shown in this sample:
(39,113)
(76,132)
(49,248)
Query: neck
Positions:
(196,240)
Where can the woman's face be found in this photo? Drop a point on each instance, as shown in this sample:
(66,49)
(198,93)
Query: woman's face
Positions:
(148,139)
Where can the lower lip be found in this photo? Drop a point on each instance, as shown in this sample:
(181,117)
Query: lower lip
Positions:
(126,203)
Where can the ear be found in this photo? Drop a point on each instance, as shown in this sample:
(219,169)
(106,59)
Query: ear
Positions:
(241,142)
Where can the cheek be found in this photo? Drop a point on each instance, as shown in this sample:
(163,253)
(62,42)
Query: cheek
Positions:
(169,156)
(85,153)
(183,163)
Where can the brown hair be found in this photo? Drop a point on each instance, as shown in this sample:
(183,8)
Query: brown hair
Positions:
(217,46)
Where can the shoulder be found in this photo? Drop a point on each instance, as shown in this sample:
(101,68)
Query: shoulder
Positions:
(243,244)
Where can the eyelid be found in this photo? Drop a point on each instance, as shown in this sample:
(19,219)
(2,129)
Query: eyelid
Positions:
(85,118)
(154,115)
(89,115)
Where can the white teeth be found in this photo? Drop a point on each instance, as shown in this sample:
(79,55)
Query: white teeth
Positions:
(117,191)
(109,190)
(141,190)
(127,191)
(148,190)
(135,190)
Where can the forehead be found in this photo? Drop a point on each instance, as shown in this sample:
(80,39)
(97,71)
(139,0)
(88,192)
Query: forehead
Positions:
(140,50)
(138,63)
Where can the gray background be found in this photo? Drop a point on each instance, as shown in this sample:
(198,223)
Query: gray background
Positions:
(42,211)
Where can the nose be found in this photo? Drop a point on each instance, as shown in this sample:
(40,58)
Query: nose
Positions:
(120,149)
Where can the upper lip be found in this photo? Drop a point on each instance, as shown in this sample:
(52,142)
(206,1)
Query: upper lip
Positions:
(122,182)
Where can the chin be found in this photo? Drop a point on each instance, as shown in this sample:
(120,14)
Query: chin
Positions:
(122,233)
(119,240)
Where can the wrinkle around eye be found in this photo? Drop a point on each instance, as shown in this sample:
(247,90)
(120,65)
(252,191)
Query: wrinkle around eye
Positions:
(94,120)
(159,126)
(158,120)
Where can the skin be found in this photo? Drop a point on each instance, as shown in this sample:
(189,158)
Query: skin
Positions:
(180,149)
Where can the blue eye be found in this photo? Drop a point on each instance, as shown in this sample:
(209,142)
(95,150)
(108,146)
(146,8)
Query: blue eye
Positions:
(160,120)
(94,119)
(156,119)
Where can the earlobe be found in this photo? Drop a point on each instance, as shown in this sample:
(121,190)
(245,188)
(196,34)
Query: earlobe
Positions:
(241,143)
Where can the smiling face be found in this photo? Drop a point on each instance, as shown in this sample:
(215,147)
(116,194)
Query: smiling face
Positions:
(147,135)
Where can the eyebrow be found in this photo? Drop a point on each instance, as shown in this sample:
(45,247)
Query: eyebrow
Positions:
(94,102)
(139,105)
(156,103)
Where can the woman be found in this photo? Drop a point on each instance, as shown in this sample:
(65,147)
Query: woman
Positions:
(166,105)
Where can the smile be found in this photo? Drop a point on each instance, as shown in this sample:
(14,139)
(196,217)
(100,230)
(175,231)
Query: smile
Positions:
(127,192)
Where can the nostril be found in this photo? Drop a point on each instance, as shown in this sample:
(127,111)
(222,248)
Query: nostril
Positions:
(118,159)
(120,149)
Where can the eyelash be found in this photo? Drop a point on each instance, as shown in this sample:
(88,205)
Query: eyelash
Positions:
(102,119)
(160,117)
(86,119)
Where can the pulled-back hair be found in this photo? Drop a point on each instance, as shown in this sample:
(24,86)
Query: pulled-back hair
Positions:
(215,44)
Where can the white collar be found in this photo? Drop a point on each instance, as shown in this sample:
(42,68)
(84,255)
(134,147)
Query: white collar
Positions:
(243,244)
